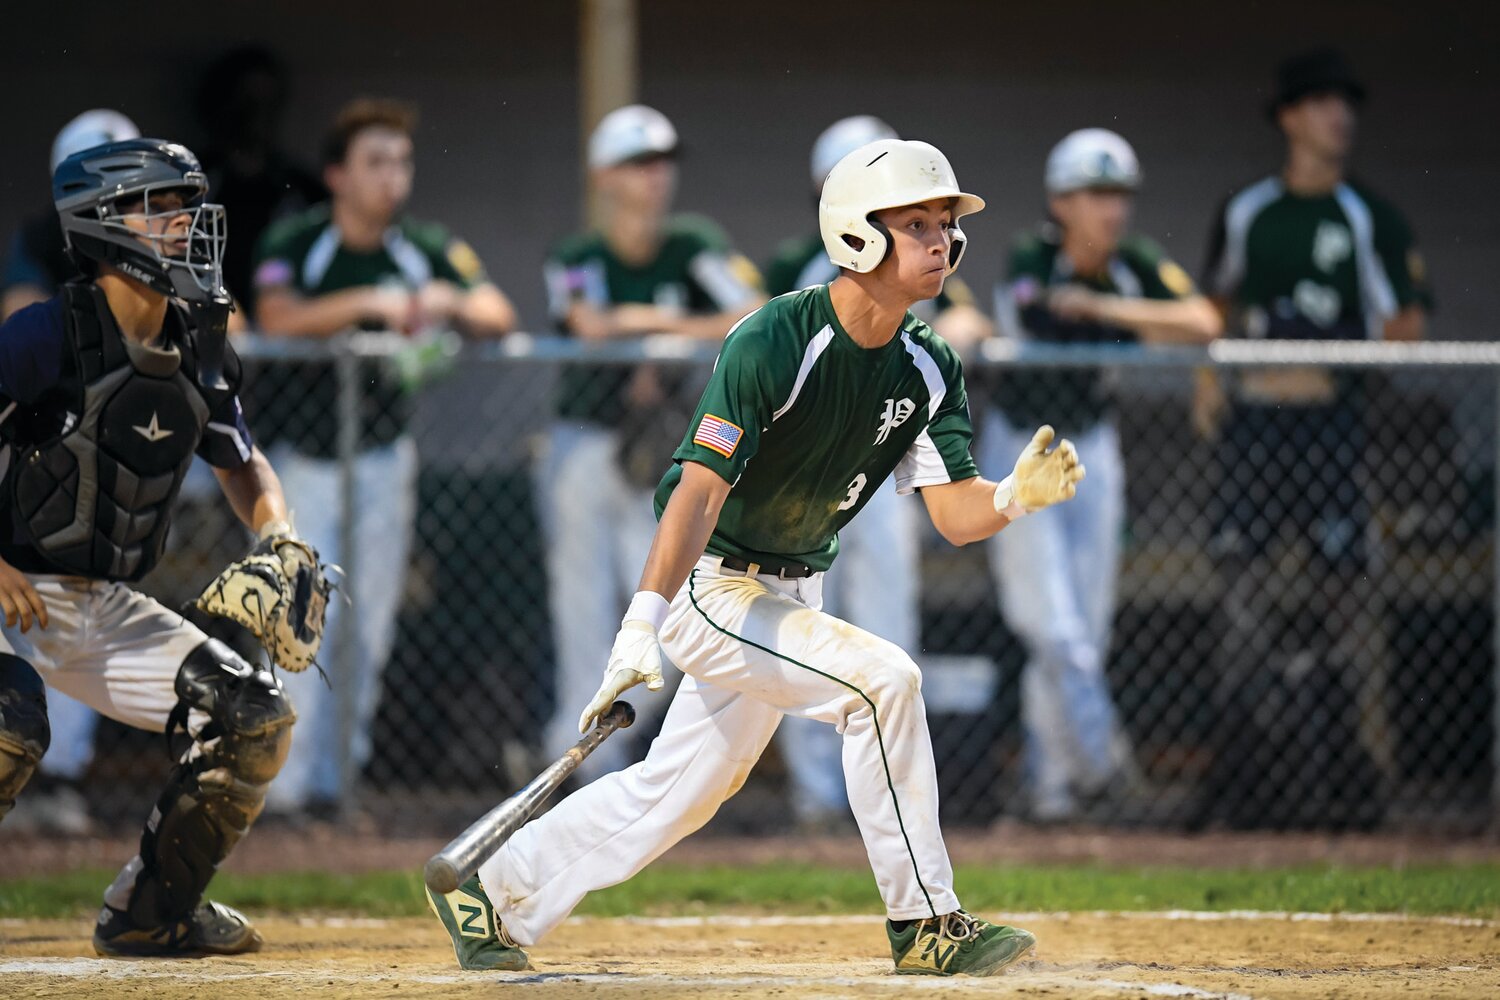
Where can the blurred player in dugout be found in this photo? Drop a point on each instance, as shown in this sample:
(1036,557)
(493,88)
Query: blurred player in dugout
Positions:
(875,584)
(1078,279)
(36,266)
(358,264)
(643,271)
(1304,254)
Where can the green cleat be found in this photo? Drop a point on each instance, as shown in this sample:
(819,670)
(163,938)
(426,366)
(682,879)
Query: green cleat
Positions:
(956,944)
(479,940)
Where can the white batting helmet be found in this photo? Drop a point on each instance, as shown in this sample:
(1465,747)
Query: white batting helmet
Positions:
(1092,158)
(887,173)
(90,129)
(629,133)
(844,137)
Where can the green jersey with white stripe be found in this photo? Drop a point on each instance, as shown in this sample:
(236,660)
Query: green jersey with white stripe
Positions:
(806,424)
(1332,266)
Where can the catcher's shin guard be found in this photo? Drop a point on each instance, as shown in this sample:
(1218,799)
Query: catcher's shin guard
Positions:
(217,788)
(24,732)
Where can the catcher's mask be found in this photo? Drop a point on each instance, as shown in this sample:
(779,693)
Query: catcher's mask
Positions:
(96,189)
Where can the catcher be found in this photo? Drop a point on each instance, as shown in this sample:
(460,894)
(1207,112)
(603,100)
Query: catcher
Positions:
(107,391)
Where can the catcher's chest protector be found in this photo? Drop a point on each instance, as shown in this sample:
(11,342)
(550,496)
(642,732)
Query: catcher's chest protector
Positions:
(96,498)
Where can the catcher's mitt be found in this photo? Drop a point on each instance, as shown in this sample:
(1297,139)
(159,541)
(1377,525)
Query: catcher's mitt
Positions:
(280,593)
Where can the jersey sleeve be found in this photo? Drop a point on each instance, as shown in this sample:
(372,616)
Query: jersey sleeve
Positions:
(451,258)
(1020,300)
(22,267)
(781,270)
(1403,263)
(31,351)
(227,443)
(726,278)
(736,407)
(574,274)
(1213,262)
(276,258)
(941,452)
(1161,277)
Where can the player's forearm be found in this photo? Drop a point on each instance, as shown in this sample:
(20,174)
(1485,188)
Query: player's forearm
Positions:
(686,525)
(486,312)
(285,315)
(1189,321)
(964,511)
(1408,324)
(711,327)
(254,492)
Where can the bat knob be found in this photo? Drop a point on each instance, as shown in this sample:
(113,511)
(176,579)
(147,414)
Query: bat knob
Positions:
(624,712)
(440,875)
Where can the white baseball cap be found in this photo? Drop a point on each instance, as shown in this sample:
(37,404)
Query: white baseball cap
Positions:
(844,137)
(631,132)
(90,129)
(1092,158)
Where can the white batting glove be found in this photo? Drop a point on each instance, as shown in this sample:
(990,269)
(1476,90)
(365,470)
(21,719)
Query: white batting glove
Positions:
(635,659)
(1041,477)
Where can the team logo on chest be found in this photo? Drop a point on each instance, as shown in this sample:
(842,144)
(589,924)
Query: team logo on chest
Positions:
(1331,245)
(893,416)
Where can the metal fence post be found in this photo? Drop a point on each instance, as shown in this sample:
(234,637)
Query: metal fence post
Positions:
(345,664)
(1495,619)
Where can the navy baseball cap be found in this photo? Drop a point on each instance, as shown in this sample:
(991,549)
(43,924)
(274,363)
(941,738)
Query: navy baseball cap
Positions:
(1320,71)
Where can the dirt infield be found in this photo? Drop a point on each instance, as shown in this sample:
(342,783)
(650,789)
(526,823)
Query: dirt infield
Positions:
(1084,956)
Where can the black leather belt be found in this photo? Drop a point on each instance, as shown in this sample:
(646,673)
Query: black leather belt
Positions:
(784,572)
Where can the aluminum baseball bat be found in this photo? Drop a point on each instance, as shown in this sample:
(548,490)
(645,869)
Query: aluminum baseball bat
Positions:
(451,867)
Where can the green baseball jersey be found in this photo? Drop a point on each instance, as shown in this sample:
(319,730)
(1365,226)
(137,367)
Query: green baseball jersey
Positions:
(1332,266)
(806,425)
(803,262)
(1071,399)
(303,253)
(694,271)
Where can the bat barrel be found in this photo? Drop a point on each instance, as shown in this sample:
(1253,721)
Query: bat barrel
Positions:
(446,870)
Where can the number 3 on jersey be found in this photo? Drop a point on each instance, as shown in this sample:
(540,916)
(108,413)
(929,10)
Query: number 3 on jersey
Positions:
(855,489)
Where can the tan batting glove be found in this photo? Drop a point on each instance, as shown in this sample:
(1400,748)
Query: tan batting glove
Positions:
(635,659)
(1041,477)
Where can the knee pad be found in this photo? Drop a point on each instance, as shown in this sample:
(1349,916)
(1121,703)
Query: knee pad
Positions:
(219,784)
(24,732)
(250,717)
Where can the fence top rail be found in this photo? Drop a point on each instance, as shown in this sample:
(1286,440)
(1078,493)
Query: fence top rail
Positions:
(996,352)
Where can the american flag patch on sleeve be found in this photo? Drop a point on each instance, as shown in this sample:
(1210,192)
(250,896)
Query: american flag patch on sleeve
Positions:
(718,434)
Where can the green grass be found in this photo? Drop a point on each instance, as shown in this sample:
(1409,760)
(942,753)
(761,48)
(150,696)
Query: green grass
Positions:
(673,890)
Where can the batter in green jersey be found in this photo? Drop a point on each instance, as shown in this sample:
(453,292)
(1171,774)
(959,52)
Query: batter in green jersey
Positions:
(826,421)
(817,397)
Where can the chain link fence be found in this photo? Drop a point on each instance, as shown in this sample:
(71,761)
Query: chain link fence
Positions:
(1300,631)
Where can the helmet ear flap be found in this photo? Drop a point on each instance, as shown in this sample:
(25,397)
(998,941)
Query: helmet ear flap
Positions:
(957,244)
(883,235)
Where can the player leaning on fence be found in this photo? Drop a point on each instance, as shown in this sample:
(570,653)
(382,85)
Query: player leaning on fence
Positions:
(1080,278)
(1304,254)
(816,398)
(643,270)
(358,263)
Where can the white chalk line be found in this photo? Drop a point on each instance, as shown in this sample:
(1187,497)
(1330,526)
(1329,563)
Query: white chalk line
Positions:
(1207,916)
(94,968)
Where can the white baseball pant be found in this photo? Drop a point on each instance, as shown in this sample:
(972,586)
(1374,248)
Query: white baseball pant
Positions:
(385,486)
(599,529)
(751,649)
(1057,571)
